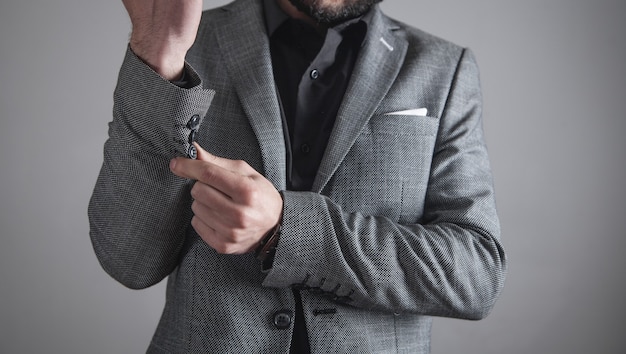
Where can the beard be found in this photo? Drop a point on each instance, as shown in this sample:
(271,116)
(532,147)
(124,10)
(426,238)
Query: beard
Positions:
(331,14)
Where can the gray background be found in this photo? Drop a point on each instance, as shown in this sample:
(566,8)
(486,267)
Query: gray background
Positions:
(554,85)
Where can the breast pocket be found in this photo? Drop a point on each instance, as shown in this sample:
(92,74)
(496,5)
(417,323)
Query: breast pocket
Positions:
(386,171)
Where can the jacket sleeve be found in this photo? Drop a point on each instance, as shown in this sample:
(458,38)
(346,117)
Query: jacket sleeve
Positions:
(139,211)
(449,264)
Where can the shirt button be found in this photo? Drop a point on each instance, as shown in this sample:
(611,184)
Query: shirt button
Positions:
(193,122)
(282,319)
(305,148)
(315,74)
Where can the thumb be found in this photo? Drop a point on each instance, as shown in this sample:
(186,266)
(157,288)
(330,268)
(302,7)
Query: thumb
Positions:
(203,155)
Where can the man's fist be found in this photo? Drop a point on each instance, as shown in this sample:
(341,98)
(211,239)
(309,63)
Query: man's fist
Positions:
(234,206)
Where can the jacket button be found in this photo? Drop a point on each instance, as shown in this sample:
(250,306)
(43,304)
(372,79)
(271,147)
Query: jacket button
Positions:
(193,122)
(314,74)
(282,319)
(192,136)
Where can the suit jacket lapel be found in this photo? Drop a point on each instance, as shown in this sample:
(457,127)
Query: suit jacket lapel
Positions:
(376,69)
(244,44)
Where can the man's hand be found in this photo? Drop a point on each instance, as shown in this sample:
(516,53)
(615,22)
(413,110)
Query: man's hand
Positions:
(163,31)
(234,206)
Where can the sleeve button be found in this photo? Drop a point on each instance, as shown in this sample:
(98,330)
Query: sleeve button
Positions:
(193,122)
(192,153)
(192,136)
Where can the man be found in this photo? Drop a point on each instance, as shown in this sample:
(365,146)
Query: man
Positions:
(311,175)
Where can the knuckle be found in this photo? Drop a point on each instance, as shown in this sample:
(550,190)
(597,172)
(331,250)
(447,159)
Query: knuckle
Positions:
(240,219)
(241,165)
(198,227)
(207,173)
(249,193)
(195,208)
(232,235)
(195,191)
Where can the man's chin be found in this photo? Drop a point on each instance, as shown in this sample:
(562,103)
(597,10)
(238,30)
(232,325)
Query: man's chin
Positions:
(333,14)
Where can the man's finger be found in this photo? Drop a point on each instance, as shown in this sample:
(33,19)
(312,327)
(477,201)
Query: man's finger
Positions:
(233,165)
(222,179)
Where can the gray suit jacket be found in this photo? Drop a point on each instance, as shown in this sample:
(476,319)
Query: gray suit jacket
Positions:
(400,225)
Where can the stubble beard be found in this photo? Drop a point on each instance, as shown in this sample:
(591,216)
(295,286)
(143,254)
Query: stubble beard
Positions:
(327,13)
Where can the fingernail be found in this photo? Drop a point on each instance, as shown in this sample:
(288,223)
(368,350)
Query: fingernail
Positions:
(172,164)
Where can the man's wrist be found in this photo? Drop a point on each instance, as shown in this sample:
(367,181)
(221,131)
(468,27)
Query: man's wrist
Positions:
(170,67)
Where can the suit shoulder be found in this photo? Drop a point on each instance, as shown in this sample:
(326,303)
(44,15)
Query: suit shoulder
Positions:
(417,35)
(239,13)
(427,44)
(210,16)
(232,7)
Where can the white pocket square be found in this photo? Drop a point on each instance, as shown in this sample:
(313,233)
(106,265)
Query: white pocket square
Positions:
(409,112)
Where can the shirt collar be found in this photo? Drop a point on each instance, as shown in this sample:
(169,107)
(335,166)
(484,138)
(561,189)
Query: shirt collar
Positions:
(275,16)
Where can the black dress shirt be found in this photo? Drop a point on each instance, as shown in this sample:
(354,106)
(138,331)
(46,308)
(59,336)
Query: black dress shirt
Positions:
(312,71)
